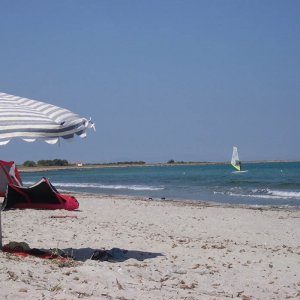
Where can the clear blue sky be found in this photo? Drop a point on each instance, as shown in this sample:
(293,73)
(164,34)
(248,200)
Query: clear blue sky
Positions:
(182,80)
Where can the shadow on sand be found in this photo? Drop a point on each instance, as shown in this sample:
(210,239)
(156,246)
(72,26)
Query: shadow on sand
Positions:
(112,255)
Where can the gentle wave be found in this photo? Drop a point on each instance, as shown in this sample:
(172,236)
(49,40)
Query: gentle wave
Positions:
(103,186)
(278,194)
(263,193)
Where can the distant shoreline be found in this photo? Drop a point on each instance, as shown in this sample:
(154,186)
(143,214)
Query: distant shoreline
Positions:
(112,165)
(21,168)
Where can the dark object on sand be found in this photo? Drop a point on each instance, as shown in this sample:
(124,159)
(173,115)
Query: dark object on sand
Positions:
(42,195)
(113,255)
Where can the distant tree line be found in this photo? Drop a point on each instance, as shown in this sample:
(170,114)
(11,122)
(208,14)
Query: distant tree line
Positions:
(127,163)
(172,161)
(46,163)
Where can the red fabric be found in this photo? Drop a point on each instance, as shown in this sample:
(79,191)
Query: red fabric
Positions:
(45,196)
(10,179)
(24,253)
(70,202)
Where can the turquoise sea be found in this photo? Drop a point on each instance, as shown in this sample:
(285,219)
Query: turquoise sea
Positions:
(272,184)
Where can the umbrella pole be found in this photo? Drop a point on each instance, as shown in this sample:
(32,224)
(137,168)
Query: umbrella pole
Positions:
(0,233)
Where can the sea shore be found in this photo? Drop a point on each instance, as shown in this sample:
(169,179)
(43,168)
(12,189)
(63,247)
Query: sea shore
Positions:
(155,250)
(22,168)
(38,168)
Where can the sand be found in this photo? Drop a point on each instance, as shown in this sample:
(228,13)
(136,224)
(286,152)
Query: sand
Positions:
(161,250)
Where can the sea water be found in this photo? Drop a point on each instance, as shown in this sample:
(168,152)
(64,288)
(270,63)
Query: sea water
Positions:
(272,184)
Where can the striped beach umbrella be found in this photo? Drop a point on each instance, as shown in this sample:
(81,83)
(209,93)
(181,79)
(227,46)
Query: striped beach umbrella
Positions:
(31,120)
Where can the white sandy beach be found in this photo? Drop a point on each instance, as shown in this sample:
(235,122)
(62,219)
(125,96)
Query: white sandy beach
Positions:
(174,250)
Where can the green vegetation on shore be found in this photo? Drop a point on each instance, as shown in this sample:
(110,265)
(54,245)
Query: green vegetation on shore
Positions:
(57,165)
(46,163)
(65,163)
(127,163)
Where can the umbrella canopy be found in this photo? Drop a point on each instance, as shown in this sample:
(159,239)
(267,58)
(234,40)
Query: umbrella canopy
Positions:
(30,120)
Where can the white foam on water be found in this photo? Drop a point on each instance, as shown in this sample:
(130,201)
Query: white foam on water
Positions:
(103,186)
(282,194)
(265,194)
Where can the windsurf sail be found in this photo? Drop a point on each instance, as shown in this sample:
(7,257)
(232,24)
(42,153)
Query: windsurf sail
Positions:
(235,161)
